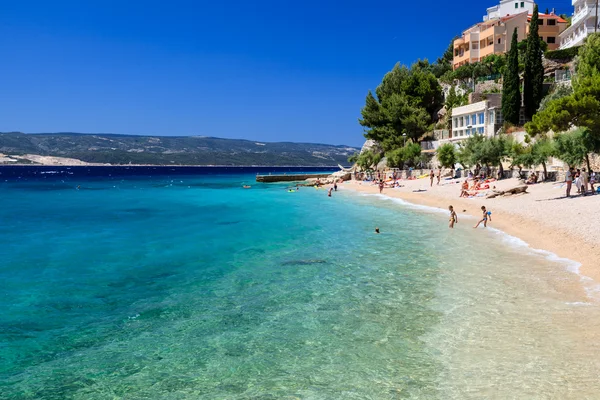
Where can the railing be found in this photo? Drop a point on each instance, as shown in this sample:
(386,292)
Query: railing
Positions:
(562,75)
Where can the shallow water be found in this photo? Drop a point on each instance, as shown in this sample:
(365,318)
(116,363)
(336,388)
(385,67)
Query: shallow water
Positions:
(182,287)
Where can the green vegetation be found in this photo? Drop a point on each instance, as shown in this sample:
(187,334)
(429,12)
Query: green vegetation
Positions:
(405,103)
(446,155)
(566,54)
(579,109)
(511,94)
(368,159)
(172,150)
(533,77)
(407,156)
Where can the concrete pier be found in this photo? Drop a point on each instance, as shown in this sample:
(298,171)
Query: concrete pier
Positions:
(288,178)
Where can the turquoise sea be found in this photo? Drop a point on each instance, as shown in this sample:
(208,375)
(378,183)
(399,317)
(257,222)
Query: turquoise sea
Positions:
(187,286)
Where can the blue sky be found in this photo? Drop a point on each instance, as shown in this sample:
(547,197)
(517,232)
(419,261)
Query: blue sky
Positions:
(264,70)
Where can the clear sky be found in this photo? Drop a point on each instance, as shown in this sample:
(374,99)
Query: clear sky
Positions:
(264,70)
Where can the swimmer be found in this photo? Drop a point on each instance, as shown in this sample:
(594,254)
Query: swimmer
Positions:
(486,215)
(377,230)
(453,217)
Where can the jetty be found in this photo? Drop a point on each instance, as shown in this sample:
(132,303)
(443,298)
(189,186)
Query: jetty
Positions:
(288,178)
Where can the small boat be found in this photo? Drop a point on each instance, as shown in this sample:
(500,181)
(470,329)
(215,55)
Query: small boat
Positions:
(247,186)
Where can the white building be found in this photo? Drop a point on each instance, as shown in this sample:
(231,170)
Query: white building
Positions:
(481,118)
(583,22)
(509,7)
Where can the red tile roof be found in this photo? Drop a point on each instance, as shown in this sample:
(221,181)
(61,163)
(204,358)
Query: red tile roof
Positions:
(548,16)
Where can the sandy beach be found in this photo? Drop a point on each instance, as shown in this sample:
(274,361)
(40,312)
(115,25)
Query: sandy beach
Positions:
(543,217)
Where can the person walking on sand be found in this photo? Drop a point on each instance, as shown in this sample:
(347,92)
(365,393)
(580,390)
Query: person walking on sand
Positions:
(453,217)
(439,174)
(486,215)
(431,176)
(569,180)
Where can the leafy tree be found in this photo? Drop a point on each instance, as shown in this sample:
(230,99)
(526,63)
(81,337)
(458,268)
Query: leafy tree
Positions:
(406,101)
(368,159)
(541,150)
(588,63)
(582,107)
(353,158)
(408,155)
(446,155)
(533,77)
(558,92)
(511,94)
(570,147)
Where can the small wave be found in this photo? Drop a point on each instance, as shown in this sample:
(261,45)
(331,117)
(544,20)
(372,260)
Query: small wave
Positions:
(591,288)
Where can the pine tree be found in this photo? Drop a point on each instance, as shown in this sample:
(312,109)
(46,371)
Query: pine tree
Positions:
(533,77)
(511,94)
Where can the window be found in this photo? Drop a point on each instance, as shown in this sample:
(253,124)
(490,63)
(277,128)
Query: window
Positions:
(473,119)
(499,40)
(551,22)
(462,121)
(551,39)
(516,5)
(540,21)
(480,130)
(491,116)
(481,118)
(522,4)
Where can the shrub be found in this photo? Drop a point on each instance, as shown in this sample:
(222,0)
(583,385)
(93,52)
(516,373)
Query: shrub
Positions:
(565,54)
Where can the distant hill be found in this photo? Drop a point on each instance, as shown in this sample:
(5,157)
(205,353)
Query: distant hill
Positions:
(184,150)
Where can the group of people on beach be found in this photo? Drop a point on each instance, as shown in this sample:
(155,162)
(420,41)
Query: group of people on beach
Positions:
(582,180)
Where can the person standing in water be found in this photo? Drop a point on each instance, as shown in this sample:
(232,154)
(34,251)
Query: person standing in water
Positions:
(380,186)
(453,217)
(377,230)
(329,192)
(335,186)
(486,215)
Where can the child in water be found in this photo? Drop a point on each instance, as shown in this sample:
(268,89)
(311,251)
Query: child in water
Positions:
(486,215)
(453,217)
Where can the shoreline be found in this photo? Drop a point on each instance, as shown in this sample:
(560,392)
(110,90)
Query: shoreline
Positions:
(539,235)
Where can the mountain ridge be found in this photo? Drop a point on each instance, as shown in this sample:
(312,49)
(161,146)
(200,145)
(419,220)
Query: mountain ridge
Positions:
(107,148)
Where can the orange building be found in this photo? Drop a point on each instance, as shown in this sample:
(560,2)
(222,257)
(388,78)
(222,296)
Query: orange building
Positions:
(494,36)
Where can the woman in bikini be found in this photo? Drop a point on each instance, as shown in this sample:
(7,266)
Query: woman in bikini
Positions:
(453,217)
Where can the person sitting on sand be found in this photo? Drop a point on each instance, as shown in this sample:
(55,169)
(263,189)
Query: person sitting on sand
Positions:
(453,217)
(532,179)
(464,189)
(486,215)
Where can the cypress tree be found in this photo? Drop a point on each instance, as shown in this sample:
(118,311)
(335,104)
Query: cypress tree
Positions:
(511,94)
(533,77)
